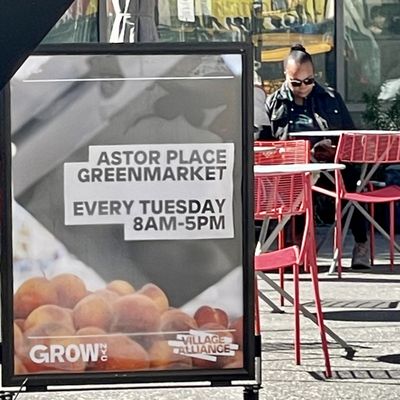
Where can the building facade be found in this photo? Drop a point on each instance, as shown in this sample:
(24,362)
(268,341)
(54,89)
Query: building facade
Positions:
(354,42)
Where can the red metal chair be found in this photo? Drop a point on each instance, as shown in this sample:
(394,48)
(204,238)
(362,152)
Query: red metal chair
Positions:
(287,195)
(369,150)
(278,260)
(286,152)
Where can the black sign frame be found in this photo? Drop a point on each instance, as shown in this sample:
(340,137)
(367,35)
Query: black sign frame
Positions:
(245,50)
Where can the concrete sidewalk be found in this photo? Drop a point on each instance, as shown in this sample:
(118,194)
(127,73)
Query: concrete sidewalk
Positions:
(362,308)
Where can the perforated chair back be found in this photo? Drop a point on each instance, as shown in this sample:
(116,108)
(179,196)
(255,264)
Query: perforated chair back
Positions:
(368,148)
(279,195)
(286,152)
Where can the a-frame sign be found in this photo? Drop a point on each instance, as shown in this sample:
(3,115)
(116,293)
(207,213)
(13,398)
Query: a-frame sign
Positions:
(143,115)
(23,25)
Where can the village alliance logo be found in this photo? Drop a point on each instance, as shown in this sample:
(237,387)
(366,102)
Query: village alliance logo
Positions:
(203,345)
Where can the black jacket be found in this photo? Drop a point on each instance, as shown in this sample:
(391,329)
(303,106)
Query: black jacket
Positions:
(328,107)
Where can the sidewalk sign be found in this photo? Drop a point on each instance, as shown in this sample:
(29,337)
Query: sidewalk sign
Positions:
(127,234)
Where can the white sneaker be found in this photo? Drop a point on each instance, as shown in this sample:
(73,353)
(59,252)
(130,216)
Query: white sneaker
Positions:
(360,259)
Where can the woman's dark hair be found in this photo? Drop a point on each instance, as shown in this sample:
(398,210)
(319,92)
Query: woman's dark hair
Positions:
(298,54)
(376,11)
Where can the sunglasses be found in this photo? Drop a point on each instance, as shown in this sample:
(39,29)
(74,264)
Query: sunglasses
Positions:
(298,82)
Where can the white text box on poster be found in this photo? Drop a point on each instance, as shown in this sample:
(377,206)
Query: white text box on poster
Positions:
(157,191)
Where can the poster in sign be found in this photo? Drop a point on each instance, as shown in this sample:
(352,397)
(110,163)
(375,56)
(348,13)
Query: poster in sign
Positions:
(129,220)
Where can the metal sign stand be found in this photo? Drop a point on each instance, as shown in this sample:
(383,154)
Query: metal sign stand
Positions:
(23,24)
(39,383)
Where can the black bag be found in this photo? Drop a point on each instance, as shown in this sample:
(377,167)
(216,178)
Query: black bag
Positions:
(323,151)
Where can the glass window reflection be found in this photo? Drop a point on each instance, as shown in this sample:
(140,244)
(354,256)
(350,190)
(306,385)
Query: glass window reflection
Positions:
(178,21)
(286,22)
(372,31)
(79,24)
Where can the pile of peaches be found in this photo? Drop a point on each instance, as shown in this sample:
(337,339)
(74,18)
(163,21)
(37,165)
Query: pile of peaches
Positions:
(132,326)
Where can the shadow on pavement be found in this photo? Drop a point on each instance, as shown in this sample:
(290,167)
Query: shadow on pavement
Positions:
(358,374)
(363,315)
(390,358)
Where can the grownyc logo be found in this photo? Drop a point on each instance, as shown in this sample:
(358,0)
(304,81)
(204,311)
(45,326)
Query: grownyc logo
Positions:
(90,352)
(203,345)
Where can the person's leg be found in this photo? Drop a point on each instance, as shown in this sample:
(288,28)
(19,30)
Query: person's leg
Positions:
(297,232)
(358,224)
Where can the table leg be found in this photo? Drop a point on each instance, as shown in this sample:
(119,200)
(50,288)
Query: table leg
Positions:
(350,210)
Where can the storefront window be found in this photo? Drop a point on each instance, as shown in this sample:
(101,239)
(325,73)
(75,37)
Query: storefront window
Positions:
(285,22)
(372,32)
(274,25)
(78,25)
(131,21)
(179,20)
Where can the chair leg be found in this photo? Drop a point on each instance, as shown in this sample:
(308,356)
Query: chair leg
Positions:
(296,290)
(306,261)
(320,319)
(392,238)
(338,236)
(372,235)
(307,254)
(282,285)
(281,245)
(312,250)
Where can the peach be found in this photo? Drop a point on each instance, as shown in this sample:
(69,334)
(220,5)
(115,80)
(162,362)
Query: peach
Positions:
(216,329)
(70,289)
(48,336)
(20,322)
(156,294)
(175,320)
(92,335)
(135,313)
(121,287)
(162,356)
(90,331)
(108,295)
(19,340)
(206,314)
(237,331)
(235,361)
(93,310)
(49,313)
(33,293)
(122,354)
(222,317)
(19,367)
